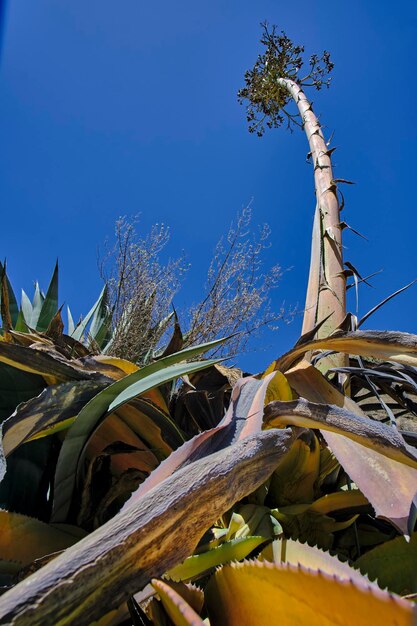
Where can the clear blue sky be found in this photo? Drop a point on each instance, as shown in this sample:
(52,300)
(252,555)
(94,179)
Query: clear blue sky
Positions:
(118,108)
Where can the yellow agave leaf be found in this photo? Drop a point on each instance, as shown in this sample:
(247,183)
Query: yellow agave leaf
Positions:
(52,411)
(256,521)
(259,593)
(278,388)
(365,466)
(310,557)
(295,478)
(127,367)
(383,345)
(198,564)
(339,501)
(177,608)
(25,539)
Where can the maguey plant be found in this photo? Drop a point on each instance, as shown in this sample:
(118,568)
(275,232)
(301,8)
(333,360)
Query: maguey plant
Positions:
(186,493)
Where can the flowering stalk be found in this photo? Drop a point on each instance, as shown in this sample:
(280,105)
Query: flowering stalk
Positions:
(270,85)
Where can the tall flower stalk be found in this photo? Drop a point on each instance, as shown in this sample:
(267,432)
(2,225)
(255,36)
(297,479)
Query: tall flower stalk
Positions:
(270,85)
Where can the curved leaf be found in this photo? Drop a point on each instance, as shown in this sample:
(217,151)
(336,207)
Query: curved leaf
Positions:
(107,401)
(25,539)
(53,410)
(198,564)
(371,434)
(145,539)
(392,565)
(310,557)
(50,303)
(385,345)
(286,595)
(180,612)
(365,466)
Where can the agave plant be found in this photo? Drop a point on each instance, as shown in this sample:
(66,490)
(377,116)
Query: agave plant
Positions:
(311,472)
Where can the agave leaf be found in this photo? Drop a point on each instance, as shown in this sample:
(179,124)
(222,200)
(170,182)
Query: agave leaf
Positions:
(310,557)
(71,325)
(53,367)
(112,368)
(384,345)
(198,564)
(107,401)
(7,323)
(295,478)
(21,325)
(247,402)
(301,521)
(26,307)
(384,301)
(365,466)
(153,425)
(8,300)
(37,303)
(16,386)
(127,367)
(146,538)
(53,410)
(278,389)
(176,342)
(94,311)
(368,433)
(50,303)
(179,611)
(286,595)
(392,565)
(339,501)
(25,539)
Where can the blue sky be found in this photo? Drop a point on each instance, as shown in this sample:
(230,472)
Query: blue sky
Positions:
(109,109)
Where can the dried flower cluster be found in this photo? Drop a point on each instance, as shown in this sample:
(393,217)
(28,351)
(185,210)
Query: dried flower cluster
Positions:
(266,98)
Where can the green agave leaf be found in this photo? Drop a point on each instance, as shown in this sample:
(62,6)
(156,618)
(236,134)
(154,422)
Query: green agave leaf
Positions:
(26,307)
(13,306)
(71,325)
(81,327)
(100,324)
(110,399)
(102,333)
(21,325)
(50,304)
(37,303)
(392,565)
(198,564)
